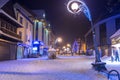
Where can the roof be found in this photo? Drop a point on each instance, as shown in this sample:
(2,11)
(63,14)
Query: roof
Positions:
(8,8)
(25,12)
(116,34)
(3,2)
(3,12)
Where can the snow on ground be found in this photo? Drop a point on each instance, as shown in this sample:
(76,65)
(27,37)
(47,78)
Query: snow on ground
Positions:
(62,68)
(111,65)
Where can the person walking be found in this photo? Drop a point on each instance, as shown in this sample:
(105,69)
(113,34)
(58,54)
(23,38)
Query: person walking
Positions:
(100,52)
(116,54)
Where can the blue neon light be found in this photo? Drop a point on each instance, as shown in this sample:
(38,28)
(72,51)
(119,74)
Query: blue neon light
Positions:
(41,43)
(36,42)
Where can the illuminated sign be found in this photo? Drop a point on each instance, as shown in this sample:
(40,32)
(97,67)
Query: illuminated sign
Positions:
(35,48)
(36,42)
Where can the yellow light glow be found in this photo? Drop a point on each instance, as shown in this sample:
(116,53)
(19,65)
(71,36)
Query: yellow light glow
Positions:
(59,39)
(68,45)
(64,47)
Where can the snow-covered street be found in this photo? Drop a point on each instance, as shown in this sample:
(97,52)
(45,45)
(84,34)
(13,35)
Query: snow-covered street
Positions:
(63,68)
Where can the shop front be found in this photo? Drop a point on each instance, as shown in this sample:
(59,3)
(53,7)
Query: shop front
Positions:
(7,50)
(115,40)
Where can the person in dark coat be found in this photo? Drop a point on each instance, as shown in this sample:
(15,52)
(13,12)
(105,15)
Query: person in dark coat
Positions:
(116,54)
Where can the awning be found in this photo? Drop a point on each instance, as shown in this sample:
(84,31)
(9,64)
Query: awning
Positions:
(115,38)
(116,34)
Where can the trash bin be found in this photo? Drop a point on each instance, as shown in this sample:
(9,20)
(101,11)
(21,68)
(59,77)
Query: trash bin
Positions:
(52,53)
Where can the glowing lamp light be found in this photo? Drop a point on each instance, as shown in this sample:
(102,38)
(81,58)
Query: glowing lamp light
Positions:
(74,6)
(57,49)
(68,45)
(77,6)
(64,47)
(116,45)
(36,42)
(43,15)
(59,39)
(35,48)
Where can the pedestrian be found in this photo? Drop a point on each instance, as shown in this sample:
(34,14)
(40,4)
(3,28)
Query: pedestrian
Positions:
(45,51)
(87,52)
(100,52)
(116,54)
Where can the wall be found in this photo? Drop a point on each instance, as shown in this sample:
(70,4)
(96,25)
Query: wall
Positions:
(7,51)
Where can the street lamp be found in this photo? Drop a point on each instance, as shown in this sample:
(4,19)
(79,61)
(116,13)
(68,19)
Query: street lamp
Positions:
(59,39)
(68,46)
(75,7)
(56,44)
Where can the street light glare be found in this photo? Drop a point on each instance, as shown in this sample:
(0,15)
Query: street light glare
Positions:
(74,6)
(68,45)
(59,39)
(64,47)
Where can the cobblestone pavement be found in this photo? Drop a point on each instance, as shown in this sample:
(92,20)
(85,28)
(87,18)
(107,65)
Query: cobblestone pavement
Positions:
(62,68)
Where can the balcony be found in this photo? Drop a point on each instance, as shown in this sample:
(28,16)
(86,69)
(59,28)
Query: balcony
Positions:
(11,33)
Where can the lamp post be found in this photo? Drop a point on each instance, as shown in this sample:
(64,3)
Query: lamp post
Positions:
(79,45)
(75,7)
(57,41)
(68,48)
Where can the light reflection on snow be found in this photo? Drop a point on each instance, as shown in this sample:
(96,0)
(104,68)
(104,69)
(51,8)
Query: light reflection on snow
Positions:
(109,62)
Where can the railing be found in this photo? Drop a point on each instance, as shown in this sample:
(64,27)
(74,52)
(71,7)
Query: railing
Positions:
(115,76)
(10,33)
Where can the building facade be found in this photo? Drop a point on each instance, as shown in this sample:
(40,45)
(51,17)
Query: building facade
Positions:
(115,40)
(41,32)
(23,17)
(20,28)
(8,31)
(104,29)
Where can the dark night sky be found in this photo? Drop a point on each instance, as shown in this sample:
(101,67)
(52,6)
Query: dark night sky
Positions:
(64,23)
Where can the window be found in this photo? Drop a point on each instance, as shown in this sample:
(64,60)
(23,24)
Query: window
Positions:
(26,39)
(0,22)
(26,24)
(103,37)
(10,27)
(30,27)
(7,26)
(17,15)
(21,20)
(14,29)
(117,22)
(20,33)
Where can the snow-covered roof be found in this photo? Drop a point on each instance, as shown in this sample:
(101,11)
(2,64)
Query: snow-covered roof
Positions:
(116,34)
